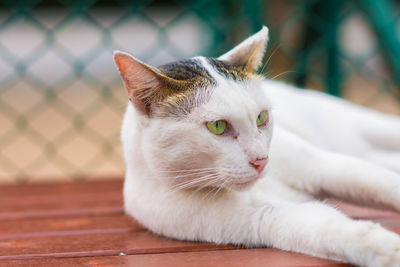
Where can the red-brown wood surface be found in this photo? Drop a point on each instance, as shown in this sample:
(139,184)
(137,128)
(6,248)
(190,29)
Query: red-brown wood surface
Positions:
(83,224)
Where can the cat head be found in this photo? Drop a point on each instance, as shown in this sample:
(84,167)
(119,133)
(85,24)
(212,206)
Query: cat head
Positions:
(203,122)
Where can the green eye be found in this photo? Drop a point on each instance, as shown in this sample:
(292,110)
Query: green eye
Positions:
(262,118)
(217,127)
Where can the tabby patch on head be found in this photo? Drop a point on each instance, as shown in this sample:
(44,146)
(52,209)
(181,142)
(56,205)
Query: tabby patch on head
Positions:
(176,88)
(236,73)
(197,89)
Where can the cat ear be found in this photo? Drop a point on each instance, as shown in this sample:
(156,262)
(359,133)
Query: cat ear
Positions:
(145,84)
(248,53)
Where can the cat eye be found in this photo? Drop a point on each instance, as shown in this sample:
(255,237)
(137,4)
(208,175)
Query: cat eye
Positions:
(262,118)
(217,127)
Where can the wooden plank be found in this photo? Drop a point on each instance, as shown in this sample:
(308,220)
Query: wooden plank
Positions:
(79,212)
(53,226)
(224,258)
(62,202)
(104,244)
(65,233)
(40,224)
(390,223)
(57,189)
(6,201)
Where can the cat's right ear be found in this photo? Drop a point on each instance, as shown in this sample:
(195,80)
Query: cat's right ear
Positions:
(146,86)
(143,83)
(138,78)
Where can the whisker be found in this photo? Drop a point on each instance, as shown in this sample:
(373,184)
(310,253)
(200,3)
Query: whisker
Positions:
(270,56)
(216,189)
(191,174)
(187,184)
(195,181)
(220,187)
(209,192)
(282,73)
(209,183)
(188,170)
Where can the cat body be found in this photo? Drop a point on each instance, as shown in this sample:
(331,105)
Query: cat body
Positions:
(185,180)
(341,126)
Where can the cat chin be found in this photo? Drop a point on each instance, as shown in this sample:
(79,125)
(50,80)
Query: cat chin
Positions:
(243,186)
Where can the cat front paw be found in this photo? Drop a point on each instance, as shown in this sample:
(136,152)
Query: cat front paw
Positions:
(381,248)
(386,260)
(392,261)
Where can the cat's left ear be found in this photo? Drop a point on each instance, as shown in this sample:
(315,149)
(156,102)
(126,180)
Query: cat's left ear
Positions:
(248,53)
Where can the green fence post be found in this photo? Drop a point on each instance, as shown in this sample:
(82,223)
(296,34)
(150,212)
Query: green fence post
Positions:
(382,18)
(333,70)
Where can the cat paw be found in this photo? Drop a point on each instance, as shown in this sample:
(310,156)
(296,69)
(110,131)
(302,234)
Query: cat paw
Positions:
(386,261)
(381,248)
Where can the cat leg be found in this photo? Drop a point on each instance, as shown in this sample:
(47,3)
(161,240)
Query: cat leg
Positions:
(332,123)
(319,230)
(259,220)
(386,158)
(379,130)
(358,181)
(324,173)
(380,134)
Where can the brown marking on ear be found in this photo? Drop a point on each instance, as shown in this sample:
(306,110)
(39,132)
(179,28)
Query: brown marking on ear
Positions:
(249,53)
(145,85)
(137,78)
(252,63)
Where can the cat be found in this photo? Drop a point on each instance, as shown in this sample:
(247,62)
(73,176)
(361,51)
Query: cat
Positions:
(215,152)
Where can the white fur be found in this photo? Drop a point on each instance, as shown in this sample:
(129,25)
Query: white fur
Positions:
(184,182)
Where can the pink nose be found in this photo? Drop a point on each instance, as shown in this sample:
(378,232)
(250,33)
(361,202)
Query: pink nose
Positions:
(259,164)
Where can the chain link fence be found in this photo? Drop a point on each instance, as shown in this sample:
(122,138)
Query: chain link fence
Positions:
(62,102)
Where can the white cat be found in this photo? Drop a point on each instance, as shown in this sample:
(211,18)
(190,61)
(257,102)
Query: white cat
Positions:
(197,135)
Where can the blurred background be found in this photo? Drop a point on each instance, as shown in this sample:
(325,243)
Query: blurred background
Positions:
(62,102)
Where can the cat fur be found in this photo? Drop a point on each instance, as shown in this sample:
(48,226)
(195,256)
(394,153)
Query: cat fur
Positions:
(186,183)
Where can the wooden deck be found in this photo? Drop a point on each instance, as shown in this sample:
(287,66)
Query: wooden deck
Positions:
(83,224)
